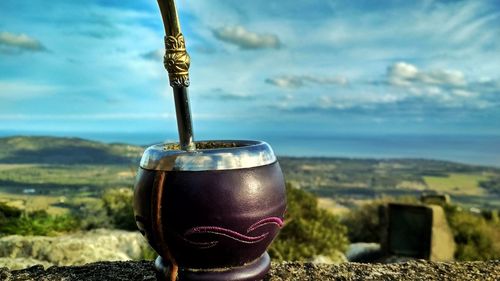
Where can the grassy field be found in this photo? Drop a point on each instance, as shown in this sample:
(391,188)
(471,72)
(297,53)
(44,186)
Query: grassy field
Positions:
(62,174)
(57,189)
(6,167)
(457,184)
(63,179)
(350,180)
(332,206)
(54,205)
(32,203)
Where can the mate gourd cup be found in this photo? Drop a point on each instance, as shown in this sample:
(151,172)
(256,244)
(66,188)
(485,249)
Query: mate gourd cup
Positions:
(211,212)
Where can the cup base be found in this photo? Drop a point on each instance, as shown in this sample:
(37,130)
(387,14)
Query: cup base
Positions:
(253,271)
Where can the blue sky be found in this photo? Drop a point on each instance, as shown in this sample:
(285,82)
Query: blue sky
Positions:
(292,67)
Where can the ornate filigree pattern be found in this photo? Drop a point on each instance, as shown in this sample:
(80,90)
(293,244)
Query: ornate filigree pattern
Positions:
(177,61)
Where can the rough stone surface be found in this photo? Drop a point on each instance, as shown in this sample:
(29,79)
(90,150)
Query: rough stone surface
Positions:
(79,248)
(144,270)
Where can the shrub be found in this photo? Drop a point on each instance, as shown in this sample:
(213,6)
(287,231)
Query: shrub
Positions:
(309,231)
(14,221)
(363,223)
(119,208)
(476,238)
(93,215)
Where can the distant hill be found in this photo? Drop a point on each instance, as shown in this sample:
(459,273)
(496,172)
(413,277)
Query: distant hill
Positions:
(64,151)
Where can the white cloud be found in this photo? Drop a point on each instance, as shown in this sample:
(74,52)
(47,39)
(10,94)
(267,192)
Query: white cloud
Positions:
(407,87)
(17,90)
(405,74)
(20,42)
(241,37)
(462,93)
(285,82)
(221,94)
(298,81)
(443,87)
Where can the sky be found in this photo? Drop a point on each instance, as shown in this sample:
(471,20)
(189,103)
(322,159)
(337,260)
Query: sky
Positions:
(318,67)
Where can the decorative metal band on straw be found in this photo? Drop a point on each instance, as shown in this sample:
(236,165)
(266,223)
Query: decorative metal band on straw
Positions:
(176,60)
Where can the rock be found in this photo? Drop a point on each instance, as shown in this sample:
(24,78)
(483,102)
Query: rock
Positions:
(122,271)
(364,252)
(357,251)
(72,249)
(144,271)
(413,270)
(338,258)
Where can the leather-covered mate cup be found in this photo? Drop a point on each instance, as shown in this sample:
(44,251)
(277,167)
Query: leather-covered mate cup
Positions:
(210,213)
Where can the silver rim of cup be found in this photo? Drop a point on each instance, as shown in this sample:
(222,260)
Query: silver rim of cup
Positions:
(219,155)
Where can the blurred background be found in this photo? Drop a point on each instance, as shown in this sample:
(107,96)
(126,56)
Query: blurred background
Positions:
(366,103)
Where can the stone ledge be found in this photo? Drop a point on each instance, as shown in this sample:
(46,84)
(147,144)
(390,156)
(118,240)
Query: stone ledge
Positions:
(143,270)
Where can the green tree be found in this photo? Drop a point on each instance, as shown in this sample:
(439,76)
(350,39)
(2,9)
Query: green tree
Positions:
(309,231)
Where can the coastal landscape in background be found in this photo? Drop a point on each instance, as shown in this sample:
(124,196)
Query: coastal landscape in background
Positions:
(68,201)
(381,113)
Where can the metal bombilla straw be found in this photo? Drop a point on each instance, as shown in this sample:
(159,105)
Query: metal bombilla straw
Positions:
(177,61)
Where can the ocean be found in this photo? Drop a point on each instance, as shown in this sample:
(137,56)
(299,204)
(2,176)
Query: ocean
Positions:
(468,149)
